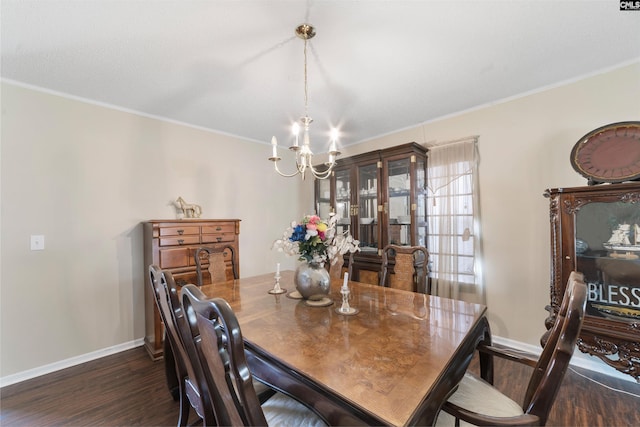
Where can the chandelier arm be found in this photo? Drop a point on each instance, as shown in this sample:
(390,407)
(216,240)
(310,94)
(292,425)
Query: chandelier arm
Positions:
(321,175)
(275,164)
(300,167)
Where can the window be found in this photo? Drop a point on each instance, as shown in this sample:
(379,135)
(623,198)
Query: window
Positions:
(454,228)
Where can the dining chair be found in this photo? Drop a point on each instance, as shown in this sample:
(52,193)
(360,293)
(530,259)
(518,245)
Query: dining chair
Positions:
(335,270)
(410,268)
(217,268)
(190,392)
(218,338)
(477,402)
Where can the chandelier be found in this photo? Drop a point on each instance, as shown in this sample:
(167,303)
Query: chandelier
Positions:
(304,155)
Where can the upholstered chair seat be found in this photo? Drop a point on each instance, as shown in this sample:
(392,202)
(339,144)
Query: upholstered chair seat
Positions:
(281,410)
(493,403)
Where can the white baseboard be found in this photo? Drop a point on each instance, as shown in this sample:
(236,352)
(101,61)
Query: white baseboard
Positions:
(67,363)
(579,359)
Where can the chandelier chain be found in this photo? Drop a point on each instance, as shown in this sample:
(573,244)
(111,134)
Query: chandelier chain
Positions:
(306,95)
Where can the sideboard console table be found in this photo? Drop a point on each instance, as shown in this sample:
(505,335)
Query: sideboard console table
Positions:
(596,230)
(171,245)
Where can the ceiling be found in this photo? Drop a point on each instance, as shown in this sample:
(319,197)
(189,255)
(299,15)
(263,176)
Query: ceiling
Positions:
(374,67)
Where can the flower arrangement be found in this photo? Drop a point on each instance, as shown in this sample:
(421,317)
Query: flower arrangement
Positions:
(316,240)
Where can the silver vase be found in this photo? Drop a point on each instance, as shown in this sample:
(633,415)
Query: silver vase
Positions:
(312,280)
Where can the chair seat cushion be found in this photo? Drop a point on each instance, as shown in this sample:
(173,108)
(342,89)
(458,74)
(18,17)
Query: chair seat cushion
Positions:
(475,394)
(281,410)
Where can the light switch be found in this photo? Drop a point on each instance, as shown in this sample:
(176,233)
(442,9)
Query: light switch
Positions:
(37,242)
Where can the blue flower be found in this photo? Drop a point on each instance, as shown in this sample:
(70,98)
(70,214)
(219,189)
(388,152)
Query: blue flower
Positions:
(298,233)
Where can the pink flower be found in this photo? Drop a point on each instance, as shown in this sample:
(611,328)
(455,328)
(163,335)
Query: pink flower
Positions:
(314,219)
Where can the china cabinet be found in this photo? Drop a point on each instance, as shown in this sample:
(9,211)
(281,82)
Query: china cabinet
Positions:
(171,245)
(380,198)
(596,231)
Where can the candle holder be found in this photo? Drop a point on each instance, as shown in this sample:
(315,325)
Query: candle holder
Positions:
(277,290)
(345,308)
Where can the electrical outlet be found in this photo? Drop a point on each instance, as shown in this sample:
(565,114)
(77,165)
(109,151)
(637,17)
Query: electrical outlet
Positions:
(37,242)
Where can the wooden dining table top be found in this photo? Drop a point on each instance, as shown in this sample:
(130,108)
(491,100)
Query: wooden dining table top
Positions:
(385,362)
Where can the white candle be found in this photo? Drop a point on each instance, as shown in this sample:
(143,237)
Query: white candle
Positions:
(277,268)
(346,279)
(334,138)
(274,144)
(296,131)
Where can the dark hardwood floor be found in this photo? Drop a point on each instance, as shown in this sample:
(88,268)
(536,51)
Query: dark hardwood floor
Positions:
(128,389)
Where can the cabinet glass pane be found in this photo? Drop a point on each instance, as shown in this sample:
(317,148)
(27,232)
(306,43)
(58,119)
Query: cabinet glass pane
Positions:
(399,202)
(343,200)
(421,202)
(608,253)
(368,207)
(324,198)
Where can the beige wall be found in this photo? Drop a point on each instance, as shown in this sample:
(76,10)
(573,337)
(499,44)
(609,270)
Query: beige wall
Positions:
(86,176)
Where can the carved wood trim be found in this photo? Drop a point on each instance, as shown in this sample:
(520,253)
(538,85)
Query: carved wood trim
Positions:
(621,355)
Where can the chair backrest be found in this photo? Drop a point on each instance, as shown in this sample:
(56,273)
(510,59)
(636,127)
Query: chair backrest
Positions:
(217,336)
(159,290)
(335,269)
(554,360)
(554,333)
(217,267)
(184,352)
(410,268)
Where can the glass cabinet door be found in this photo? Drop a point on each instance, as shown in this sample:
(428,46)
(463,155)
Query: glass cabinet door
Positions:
(607,246)
(343,200)
(421,202)
(399,202)
(323,198)
(368,207)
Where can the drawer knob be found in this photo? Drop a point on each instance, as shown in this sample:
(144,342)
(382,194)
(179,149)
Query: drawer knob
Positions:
(180,241)
(219,239)
(218,228)
(181,232)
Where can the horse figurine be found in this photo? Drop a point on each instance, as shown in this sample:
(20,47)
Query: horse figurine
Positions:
(190,210)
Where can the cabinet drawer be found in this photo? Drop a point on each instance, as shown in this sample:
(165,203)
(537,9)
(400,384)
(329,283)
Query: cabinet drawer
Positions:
(218,238)
(179,231)
(222,227)
(180,240)
(174,258)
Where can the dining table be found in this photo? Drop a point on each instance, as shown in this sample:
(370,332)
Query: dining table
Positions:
(394,361)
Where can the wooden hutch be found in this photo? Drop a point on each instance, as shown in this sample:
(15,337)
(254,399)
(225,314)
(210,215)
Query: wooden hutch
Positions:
(380,197)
